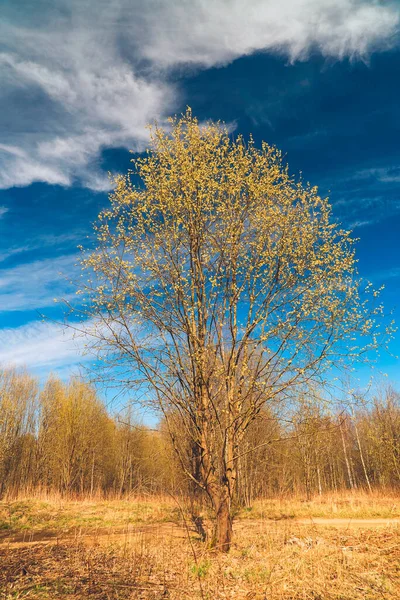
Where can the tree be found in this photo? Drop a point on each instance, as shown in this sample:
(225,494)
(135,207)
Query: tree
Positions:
(219,283)
(380,431)
(75,437)
(18,405)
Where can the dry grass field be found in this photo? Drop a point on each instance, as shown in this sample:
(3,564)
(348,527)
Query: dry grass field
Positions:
(338,547)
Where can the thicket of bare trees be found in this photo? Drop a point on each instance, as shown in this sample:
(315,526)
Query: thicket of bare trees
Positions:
(61,438)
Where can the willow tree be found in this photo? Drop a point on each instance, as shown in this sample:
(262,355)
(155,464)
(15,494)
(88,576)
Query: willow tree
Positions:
(219,283)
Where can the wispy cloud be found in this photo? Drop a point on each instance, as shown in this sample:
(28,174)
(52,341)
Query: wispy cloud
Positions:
(209,33)
(362,207)
(3,211)
(44,241)
(41,345)
(360,223)
(79,77)
(389,174)
(35,285)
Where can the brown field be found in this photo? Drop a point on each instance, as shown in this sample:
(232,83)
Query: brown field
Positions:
(338,547)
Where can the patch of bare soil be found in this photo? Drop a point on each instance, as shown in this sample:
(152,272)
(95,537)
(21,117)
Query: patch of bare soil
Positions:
(95,535)
(131,534)
(269,560)
(350,522)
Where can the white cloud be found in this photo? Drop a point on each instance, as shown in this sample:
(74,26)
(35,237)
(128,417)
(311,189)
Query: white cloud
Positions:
(3,211)
(47,345)
(389,174)
(360,223)
(209,33)
(90,75)
(40,345)
(35,285)
(43,241)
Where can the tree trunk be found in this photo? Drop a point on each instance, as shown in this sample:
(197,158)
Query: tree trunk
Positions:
(222,537)
(349,473)
(361,452)
(319,481)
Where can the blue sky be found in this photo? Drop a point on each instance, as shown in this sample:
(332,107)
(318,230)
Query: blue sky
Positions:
(80,80)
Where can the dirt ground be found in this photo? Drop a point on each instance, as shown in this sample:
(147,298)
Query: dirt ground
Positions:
(301,558)
(130,534)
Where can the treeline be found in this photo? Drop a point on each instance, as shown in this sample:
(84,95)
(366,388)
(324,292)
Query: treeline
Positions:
(61,438)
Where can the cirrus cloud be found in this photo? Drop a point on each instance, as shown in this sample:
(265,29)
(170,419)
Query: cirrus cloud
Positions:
(41,345)
(80,77)
(36,285)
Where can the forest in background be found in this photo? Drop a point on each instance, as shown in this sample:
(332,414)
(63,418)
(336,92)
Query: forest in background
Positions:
(61,438)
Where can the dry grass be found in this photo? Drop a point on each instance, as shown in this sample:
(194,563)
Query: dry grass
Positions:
(345,505)
(63,515)
(270,560)
(281,562)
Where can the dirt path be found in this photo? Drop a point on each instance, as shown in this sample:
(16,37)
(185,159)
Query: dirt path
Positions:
(349,523)
(99,535)
(133,534)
